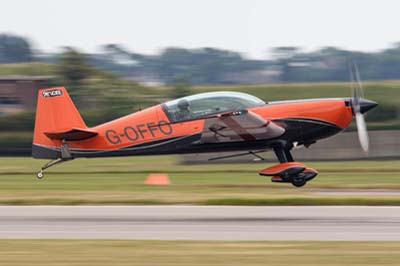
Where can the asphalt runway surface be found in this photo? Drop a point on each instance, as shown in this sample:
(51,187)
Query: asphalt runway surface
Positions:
(201,222)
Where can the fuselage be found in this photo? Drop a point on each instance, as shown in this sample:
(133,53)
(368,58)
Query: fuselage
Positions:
(151,130)
(205,122)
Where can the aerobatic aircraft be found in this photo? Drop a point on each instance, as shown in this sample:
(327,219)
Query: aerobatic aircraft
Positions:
(202,123)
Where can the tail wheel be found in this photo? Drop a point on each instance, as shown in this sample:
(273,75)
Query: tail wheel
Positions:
(40,175)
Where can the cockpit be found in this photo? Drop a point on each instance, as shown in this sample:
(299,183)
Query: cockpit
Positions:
(204,104)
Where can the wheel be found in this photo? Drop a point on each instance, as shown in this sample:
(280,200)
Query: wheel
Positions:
(299,181)
(40,175)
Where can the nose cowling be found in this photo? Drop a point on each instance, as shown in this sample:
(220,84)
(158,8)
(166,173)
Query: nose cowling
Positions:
(366,105)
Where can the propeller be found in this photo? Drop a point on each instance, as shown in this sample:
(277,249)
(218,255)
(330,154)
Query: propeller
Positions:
(360,106)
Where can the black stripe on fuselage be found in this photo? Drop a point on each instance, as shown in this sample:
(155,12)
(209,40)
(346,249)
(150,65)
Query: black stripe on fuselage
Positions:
(299,129)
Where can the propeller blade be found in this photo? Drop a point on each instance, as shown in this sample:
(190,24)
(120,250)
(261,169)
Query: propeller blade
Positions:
(356,86)
(362,132)
(358,94)
(360,91)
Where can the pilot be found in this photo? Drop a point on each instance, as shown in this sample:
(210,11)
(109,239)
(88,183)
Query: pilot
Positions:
(183,110)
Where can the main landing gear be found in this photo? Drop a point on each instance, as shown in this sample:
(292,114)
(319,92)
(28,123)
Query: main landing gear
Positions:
(65,156)
(289,171)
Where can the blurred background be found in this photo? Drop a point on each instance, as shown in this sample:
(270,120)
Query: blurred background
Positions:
(117,58)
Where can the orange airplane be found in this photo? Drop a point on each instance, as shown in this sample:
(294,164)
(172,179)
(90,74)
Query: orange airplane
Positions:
(201,123)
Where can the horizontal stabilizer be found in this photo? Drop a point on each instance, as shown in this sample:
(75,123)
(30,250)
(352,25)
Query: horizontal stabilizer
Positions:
(72,134)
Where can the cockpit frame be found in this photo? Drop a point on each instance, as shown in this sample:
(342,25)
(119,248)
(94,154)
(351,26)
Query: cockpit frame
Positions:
(205,104)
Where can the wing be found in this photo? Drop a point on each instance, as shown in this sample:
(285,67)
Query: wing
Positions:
(241,125)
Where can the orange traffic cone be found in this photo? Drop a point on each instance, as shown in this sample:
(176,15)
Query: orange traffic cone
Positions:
(157,179)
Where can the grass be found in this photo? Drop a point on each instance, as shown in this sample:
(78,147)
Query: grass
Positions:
(30,69)
(120,181)
(307,201)
(125,252)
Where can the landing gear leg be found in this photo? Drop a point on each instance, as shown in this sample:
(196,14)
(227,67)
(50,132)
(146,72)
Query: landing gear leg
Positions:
(284,156)
(65,156)
(40,174)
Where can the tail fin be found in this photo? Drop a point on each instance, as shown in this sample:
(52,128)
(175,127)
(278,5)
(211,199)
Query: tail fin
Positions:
(56,117)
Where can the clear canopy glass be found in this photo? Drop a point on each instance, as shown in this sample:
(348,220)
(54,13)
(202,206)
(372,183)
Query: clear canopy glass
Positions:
(204,104)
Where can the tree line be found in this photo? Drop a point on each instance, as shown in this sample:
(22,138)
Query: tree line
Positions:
(218,66)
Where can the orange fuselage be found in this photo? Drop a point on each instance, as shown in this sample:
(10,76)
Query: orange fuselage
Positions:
(152,124)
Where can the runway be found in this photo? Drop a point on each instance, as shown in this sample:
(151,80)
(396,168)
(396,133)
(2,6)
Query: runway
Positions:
(201,222)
